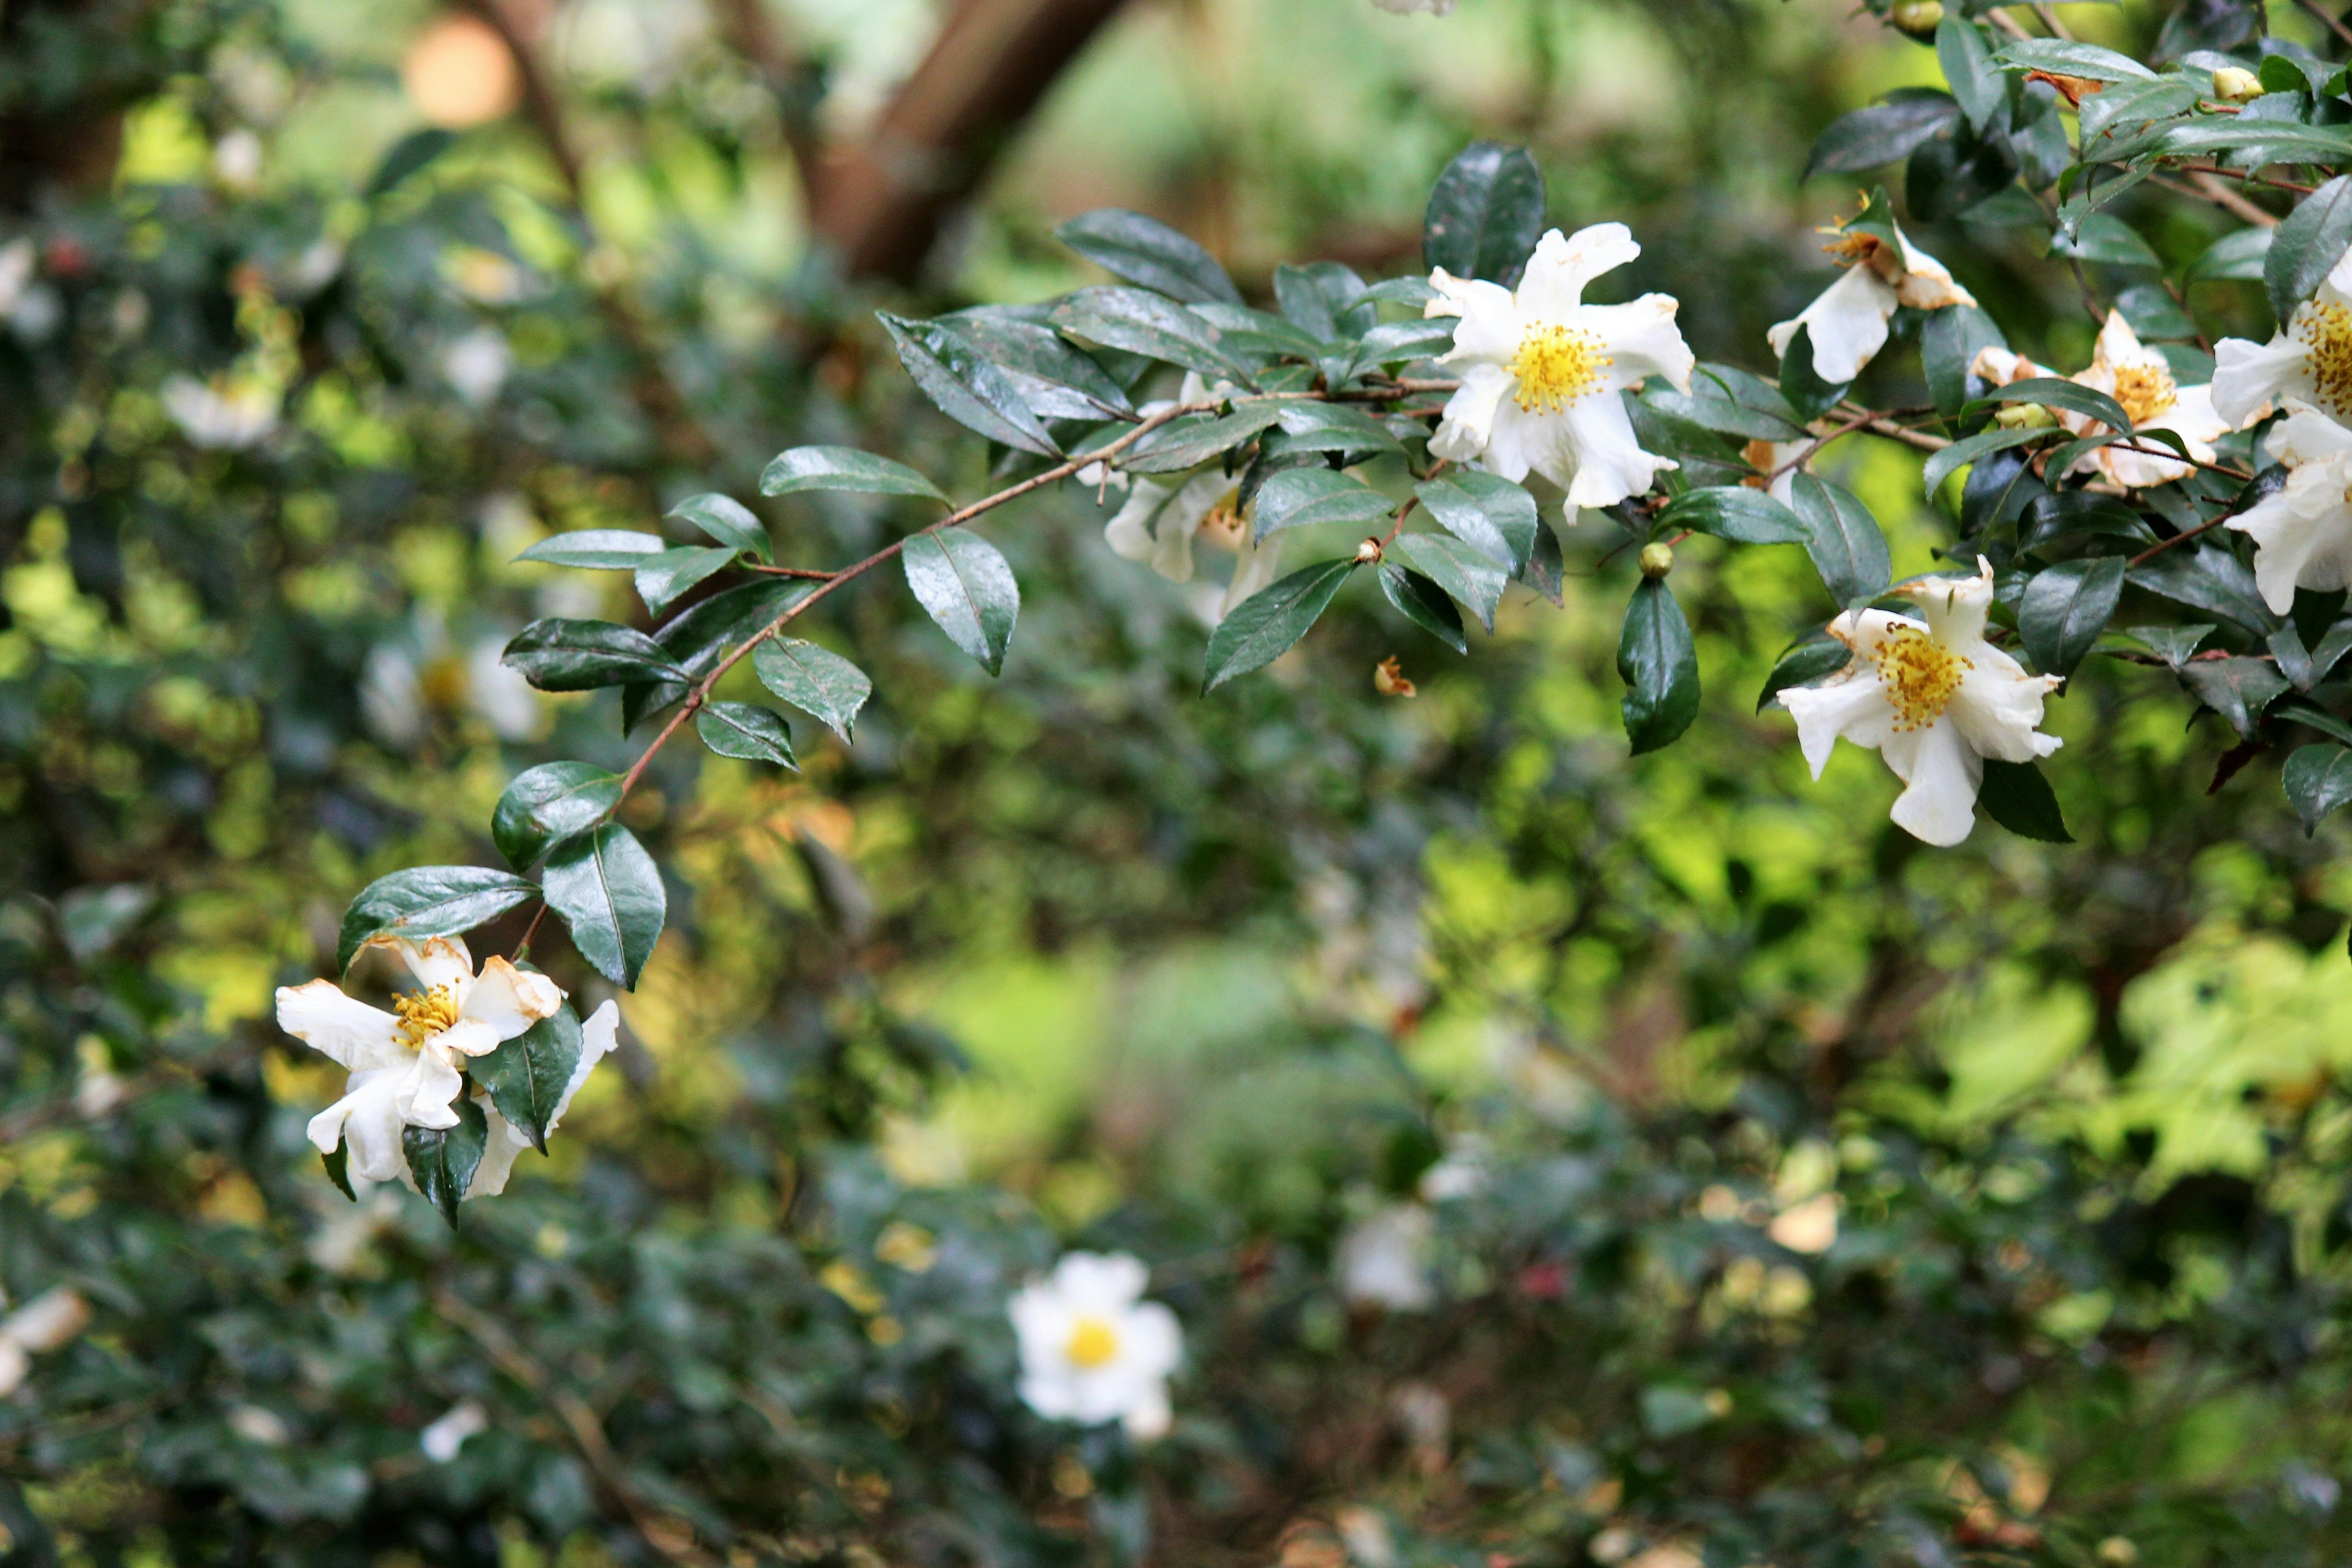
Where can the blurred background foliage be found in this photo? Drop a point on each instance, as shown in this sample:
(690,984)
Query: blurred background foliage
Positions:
(1794,1194)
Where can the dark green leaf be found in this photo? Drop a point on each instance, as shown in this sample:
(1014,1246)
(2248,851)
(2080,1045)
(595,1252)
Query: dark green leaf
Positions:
(339,1170)
(1843,540)
(1486,511)
(843,468)
(2106,239)
(701,635)
(1334,427)
(1145,324)
(2243,254)
(559,655)
(2318,779)
(966,386)
(1547,569)
(2293,658)
(2154,313)
(2052,391)
(1034,351)
(1710,407)
(2016,795)
(1398,342)
(443,1159)
(609,892)
(597,548)
(2311,715)
(815,680)
(747,731)
(1943,463)
(726,520)
(1468,572)
(2066,608)
(1881,134)
(2171,644)
(1803,663)
(2070,514)
(1326,300)
(1301,498)
(1976,82)
(2236,688)
(1738,513)
(1263,627)
(1425,605)
(2064,57)
(1808,396)
(426,902)
(1145,250)
(552,801)
(967,586)
(2206,577)
(526,1076)
(409,155)
(2307,245)
(1194,439)
(1660,668)
(1484,214)
(664,579)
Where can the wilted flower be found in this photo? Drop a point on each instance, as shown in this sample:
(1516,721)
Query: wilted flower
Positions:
(1846,325)
(403,1064)
(225,413)
(1385,1260)
(2303,531)
(1930,696)
(1541,371)
(2308,360)
(1091,1349)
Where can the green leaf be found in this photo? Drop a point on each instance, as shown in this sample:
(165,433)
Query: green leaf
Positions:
(426,902)
(2062,58)
(337,1160)
(1145,250)
(609,892)
(1711,405)
(1324,300)
(2053,392)
(1468,572)
(1334,427)
(552,801)
(597,548)
(1738,513)
(1485,213)
(411,154)
(2273,141)
(1262,627)
(2311,716)
(2206,577)
(1815,657)
(1547,568)
(818,681)
(2307,245)
(1486,511)
(966,586)
(1976,82)
(2318,779)
(1399,342)
(1425,605)
(525,1075)
(1036,353)
(746,731)
(1844,539)
(701,635)
(726,520)
(2016,795)
(966,386)
(2237,689)
(1301,498)
(1808,396)
(2243,254)
(843,468)
(2171,644)
(2106,239)
(1943,464)
(2070,514)
(558,655)
(2066,608)
(1193,440)
(443,1159)
(1883,133)
(1660,668)
(1147,324)
(664,579)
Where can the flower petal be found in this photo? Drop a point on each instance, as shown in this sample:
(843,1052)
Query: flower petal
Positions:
(1128,533)
(1641,341)
(1846,323)
(428,1093)
(356,1036)
(1553,284)
(2303,534)
(1469,421)
(500,1151)
(1940,805)
(1609,464)
(1855,708)
(1100,1281)
(367,1123)
(437,961)
(1995,710)
(1953,607)
(509,1000)
(2247,375)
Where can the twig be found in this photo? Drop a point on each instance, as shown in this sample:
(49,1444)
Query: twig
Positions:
(2332,24)
(2050,20)
(2203,186)
(2250,176)
(2007,24)
(1806,453)
(2165,452)
(2161,546)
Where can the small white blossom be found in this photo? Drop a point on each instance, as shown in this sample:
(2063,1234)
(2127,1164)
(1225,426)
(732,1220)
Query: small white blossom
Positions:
(1541,371)
(2303,531)
(48,1322)
(236,159)
(1091,1349)
(1847,323)
(442,1439)
(2140,379)
(1930,696)
(403,1064)
(2307,361)
(1384,1259)
(1158,523)
(1810,1226)
(477,365)
(223,414)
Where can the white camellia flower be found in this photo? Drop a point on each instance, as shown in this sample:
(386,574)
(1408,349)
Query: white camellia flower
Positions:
(1384,1259)
(477,365)
(1091,1349)
(2303,531)
(225,414)
(2140,379)
(1930,696)
(48,1322)
(2308,360)
(403,1064)
(1158,523)
(1541,370)
(1847,323)
(599,1034)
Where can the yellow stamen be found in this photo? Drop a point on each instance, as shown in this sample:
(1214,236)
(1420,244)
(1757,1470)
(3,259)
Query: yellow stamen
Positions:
(2326,330)
(1919,676)
(424,1013)
(1557,366)
(1093,1342)
(2145,391)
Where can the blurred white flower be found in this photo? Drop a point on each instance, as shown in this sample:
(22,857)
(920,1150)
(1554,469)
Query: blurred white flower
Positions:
(392,695)
(1930,696)
(498,692)
(313,270)
(1846,325)
(403,1064)
(30,307)
(1384,1259)
(445,1436)
(477,365)
(48,1322)
(1091,1349)
(236,159)
(2303,531)
(225,413)
(256,1424)
(1541,371)
(1810,1227)
(2307,361)
(599,1034)
(1156,524)
(416,665)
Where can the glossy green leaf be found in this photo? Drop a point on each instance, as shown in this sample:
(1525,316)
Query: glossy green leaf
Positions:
(843,468)
(426,902)
(597,548)
(443,1159)
(609,892)
(2066,608)
(1425,605)
(1145,250)
(1816,657)
(559,655)
(966,386)
(2307,245)
(2062,57)
(337,1160)
(1301,498)
(1976,81)
(2052,391)
(818,681)
(526,1076)
(1334,427)
(1660,668)
(2016,795)
(1464,571)
(1808,396)
(728,520)
(1037,357)
(1943,463)
(1262,627)
(747,731)
(666,578)
(966,585)
(1881,134)
(1738,513)
(1189,442)
(1844,539)
(1486,511)
(701,635)
(1147,324)
(552,801)
(2237,689)
(1485,213)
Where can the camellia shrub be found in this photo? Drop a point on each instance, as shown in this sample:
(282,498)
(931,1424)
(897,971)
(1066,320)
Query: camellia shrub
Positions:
(1790,1317)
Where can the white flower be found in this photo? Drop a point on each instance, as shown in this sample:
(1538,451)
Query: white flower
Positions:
(477,365)
(403,1064)
(236,159)
(223,414)
(30,307)
(1541,370)
(1810,1227)
(1932,697)
(1384,1259)
(48,1322)
(1847,323)
(2308,360)
(445,1436)
(2303,531)
(1157,523)
(2141,380)
(598,1035)
(1091,1349)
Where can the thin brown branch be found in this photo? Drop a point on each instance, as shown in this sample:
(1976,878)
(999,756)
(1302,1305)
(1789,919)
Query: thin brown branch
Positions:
(2333,24)
(2161,546)
(2249,177)
(2203,186)
(2170,456)
(1805,453)
(2049,17)
(2007,24)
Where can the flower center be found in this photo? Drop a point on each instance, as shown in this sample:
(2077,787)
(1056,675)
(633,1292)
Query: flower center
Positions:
(2145,391)
(424,1013)
(1557,366)
(1093,1342)
(2326,330)
(1918,675)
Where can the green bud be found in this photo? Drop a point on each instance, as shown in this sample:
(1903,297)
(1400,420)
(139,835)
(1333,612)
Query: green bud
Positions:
(1657,560)
(1917,17)
(2025,417)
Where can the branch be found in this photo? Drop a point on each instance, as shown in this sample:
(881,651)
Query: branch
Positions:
(2333,24)
(2203,186)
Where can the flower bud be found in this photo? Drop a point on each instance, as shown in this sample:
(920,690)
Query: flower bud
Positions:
(2234,84)
(2025,417)
(1368,553)
(1657,560)
(1917,17)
